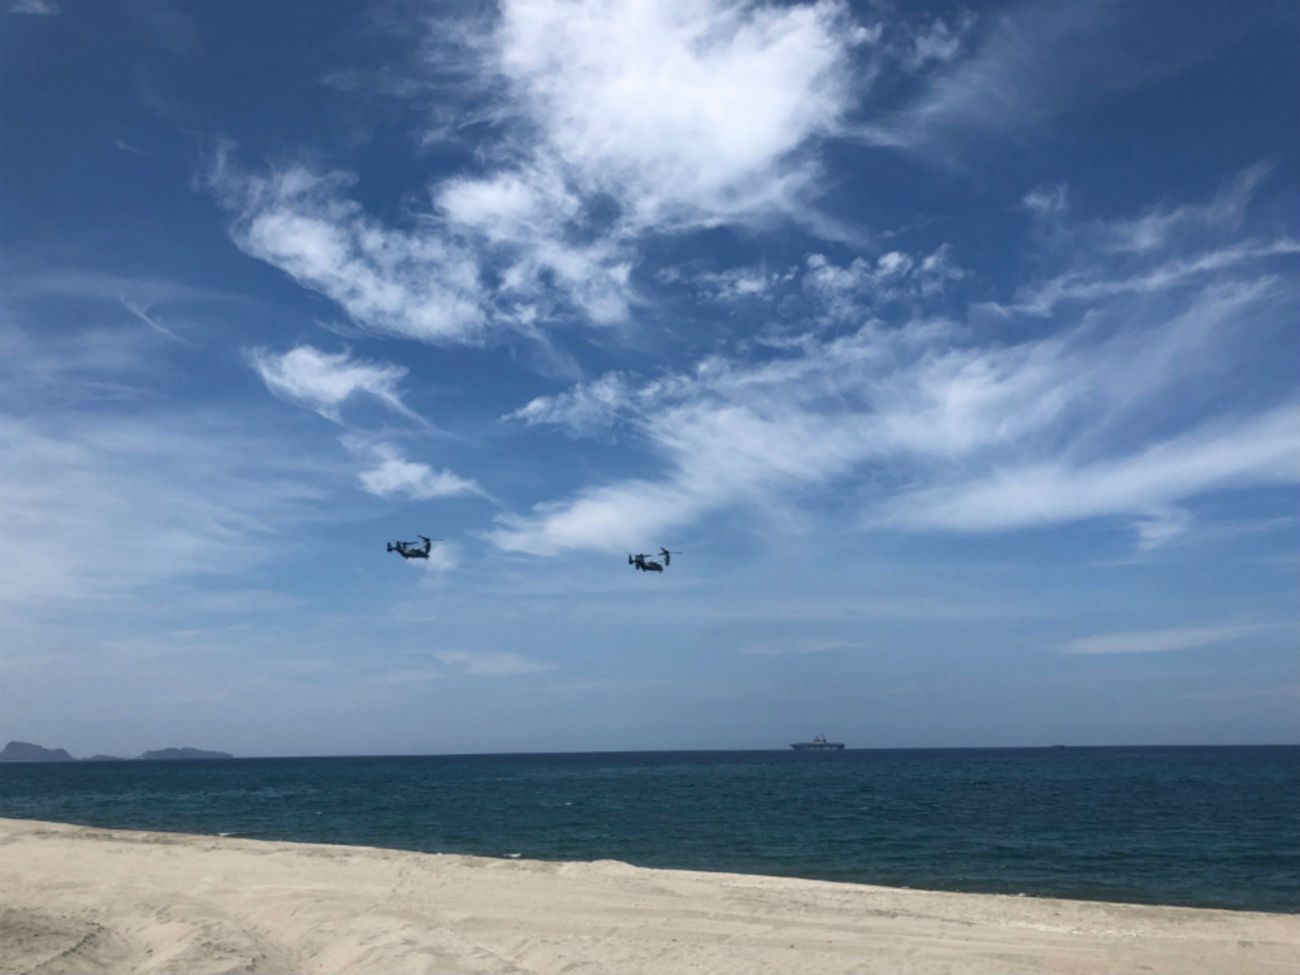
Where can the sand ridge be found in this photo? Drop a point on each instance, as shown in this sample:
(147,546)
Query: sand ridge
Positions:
(79,899)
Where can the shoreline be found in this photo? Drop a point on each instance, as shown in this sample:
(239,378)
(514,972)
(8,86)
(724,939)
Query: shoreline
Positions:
(252,836)
(80,898)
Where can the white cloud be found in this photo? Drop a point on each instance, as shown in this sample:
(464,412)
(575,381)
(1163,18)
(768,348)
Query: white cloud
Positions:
(323,382)
(1165,641)
(506,207)
(608,518)
(1049,200)
(490,663)
(683,111)
(850,291)
(616,122)
(395,476)
(45,8)
(584,409)
(530,220)
(733,285)
(940,42)
(1160,526)
(493,255)
(1158,226)
(443,558)
(422,285)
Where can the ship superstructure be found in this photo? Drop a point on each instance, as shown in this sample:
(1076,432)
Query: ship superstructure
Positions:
(818,744)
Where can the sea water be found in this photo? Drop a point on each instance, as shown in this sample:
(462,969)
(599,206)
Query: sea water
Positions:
(1208,827)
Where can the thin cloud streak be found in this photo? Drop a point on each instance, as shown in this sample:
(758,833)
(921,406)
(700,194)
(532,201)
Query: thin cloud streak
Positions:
(40,8)
(143,315)
(217,500)
(1167,641)
(1257,451)
(489,663)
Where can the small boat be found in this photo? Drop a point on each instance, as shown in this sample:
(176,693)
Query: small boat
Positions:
(818,744)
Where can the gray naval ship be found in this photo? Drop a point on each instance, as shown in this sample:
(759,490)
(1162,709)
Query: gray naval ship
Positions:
(818,744)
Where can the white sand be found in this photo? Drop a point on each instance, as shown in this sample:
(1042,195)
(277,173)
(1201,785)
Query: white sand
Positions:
(76,899)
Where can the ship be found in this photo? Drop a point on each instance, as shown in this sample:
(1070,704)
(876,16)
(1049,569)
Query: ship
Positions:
(818,744)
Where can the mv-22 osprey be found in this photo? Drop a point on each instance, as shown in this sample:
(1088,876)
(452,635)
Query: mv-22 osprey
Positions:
(645,563)
(412,550)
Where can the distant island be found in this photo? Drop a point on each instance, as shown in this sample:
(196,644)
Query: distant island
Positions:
(25,751)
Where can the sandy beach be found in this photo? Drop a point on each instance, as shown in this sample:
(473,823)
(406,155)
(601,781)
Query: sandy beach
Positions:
(77,899)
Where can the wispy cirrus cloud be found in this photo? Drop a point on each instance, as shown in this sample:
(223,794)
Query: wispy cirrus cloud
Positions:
(940,427)
(1155,228)
(1259,450)
(323,381)
(1164,247)
(107,496)
(1096,283)
(1032,64)
(102,505)
(135,293)
(407,282)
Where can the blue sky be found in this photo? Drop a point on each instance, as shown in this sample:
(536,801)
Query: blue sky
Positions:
(955,346)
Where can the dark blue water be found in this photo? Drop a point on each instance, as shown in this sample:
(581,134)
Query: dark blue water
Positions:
(1211,827)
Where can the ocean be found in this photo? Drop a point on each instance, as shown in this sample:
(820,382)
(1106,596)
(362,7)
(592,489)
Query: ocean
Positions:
(1201,827)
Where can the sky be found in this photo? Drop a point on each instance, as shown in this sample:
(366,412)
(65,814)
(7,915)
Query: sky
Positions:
(953,346)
